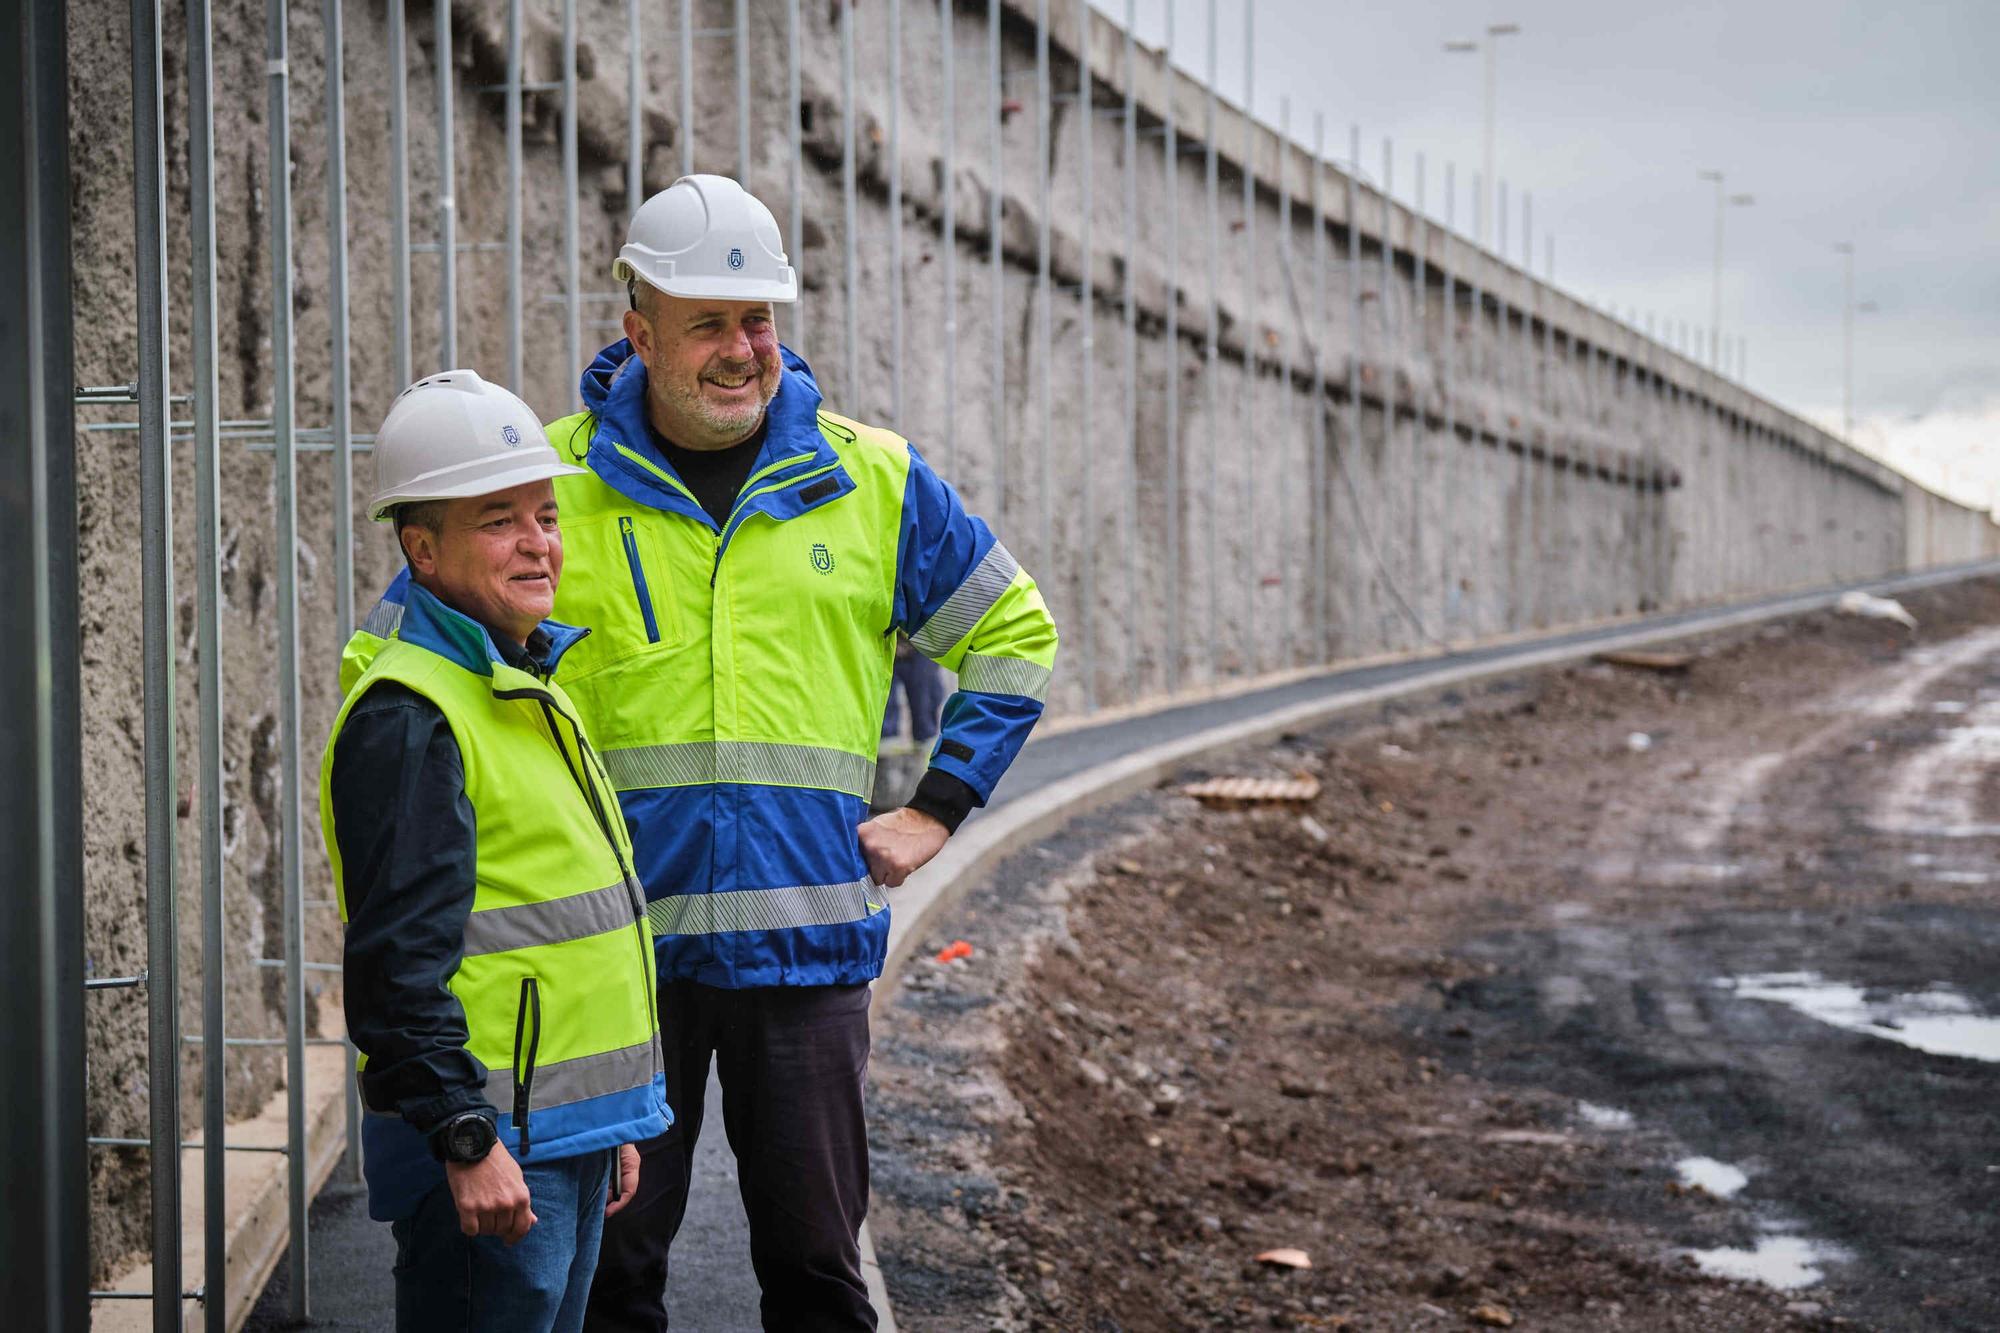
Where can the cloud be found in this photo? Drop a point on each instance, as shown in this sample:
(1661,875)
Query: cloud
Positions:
(1954,451)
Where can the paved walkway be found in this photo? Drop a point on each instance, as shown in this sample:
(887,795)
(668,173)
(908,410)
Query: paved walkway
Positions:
(714,1290)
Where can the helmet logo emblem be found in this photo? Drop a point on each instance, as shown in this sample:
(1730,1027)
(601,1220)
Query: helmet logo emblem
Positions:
(822,558)
(511,436)
(736,259)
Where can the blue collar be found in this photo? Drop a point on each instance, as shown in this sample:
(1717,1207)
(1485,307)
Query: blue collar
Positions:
(431,625)
(624,456)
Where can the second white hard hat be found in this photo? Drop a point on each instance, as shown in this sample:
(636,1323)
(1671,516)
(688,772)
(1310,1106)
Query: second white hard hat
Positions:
(707,237)
(453,435)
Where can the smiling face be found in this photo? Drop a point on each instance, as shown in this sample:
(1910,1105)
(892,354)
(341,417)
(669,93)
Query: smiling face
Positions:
(497,557)
(711,366)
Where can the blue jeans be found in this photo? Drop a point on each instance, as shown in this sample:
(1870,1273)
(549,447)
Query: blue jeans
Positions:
(447,1280)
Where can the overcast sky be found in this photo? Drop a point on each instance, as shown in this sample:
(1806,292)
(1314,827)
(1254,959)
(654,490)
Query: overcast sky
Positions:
(1876,123)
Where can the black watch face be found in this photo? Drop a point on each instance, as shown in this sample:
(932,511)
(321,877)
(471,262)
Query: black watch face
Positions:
(469,1139)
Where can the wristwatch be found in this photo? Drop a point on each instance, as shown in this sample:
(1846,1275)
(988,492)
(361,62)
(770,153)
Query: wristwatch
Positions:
(465,1138)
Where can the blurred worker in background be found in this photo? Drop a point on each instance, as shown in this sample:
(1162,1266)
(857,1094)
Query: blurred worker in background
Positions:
(498,970)
(922,687)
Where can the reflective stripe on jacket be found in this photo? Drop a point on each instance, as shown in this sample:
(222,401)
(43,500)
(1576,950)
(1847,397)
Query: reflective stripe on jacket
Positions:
(557,981)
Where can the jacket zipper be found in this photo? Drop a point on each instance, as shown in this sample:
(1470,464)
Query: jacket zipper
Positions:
(585,781)
(723,535)
(528,1012)
(639,588)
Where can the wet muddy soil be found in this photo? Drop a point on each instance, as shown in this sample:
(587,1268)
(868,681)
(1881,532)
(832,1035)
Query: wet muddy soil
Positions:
(1599,998)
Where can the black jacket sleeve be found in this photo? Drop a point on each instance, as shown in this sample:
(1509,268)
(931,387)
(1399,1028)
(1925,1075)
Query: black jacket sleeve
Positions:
(406,838)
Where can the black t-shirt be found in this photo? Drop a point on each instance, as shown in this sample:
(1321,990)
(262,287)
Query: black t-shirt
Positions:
(715,476)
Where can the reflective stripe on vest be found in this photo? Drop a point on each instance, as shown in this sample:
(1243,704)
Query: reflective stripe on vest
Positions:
(968,603)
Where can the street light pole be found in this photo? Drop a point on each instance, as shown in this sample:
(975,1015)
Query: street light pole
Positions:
(1722,203)
(1482,205)
(1848,310)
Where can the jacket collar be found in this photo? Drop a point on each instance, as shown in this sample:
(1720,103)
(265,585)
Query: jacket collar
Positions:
(429,624)
(624,455)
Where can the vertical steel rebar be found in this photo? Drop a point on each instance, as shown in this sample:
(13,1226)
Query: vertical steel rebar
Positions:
(635,97)
(948,229)
(743,90)
(399,191)
(997,264)
(447,197)
(1447,374)
(1210,386)
(1128,509)
(1287,602)
(1420,445)
(895,202)
(206,414)
(1171,667)
(1250,368)
(1535,512)
(1355,452)
(1088,542)
(285,448)
(572,229)
(851,387)
(343,428)
(515,350)
(156,558)
(1044,295)
(687,87)
(1322,477)
(1390,349)
(795,128)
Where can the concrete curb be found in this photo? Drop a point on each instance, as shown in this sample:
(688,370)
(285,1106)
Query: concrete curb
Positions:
(975,851)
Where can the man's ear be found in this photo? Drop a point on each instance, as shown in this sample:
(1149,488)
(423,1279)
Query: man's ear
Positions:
(640,332)
(419,548)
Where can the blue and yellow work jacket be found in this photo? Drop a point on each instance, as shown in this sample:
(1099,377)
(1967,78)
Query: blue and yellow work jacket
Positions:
(735,677)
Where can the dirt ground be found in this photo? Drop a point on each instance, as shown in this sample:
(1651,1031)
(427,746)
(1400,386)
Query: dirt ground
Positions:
(1450,1028)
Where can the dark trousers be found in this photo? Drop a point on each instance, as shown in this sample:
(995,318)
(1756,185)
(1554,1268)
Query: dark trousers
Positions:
(790,1060)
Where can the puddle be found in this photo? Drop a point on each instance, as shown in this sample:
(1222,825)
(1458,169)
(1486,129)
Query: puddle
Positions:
(1921,859)
(1718,1178)
(1949,706)
(1785,1262)
(1937,1020)
(1603,1117)
(1962,877)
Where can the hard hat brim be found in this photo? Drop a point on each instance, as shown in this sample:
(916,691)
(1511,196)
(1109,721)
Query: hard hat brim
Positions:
(783,292)
(444,487)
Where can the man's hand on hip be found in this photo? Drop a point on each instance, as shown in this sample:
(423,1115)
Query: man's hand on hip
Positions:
(492,1198)
(899,843)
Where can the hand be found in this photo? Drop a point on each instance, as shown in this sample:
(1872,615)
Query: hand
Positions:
(492,1198)
(899,843)
(628,1179)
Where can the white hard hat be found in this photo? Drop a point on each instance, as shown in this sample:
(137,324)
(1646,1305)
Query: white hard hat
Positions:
(709,238)
(453,435)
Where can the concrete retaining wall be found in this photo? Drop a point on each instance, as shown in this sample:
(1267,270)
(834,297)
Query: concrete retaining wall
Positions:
(1510,460)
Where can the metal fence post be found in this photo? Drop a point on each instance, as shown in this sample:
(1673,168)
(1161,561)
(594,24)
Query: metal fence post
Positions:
(208,648)
(44,1229)
(895,194)
(687,87)
(399,190)
(156,558)
(997,264)
(1044,291)
(1171,661)
(279,139)
(795,130)
(1250,372)
(572,229)
(515,349)
(851,388)
(1447,376)
(1128,511)
(1322,439)
(1210,387)
(447,197)
(1087,541)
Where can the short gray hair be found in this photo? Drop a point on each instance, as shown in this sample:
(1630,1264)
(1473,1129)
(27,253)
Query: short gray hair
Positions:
(425,514)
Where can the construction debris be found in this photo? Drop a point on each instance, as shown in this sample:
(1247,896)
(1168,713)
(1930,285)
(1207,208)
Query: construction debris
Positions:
(1870,607)
(1236,793)
(1285,1259)
(954,951)
(1666,663)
